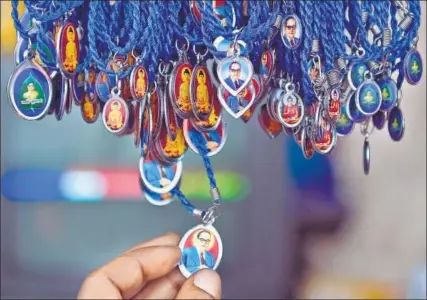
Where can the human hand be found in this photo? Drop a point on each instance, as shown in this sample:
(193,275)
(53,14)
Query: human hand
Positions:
(149,271)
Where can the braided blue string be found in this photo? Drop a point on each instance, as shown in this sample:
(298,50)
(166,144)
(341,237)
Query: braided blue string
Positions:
(306,12)
(15,16)
(381,13)
(326,18)
(337,36)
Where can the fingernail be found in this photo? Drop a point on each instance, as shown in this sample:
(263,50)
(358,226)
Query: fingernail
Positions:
(208,281)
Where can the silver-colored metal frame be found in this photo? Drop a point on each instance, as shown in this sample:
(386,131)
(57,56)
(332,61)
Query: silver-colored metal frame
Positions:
(127,116)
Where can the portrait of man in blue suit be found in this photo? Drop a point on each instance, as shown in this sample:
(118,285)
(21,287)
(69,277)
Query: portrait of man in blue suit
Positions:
(291,40)
(198,257)
(233,80)
(158,175)
(212,139)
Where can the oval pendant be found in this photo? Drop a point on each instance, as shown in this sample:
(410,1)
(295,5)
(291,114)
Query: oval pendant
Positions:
(158,178)
(396,124)
(306,145)
(344,124)
(213,141)
(89,110)
(366,157)
(68,49)
(291,110)
(266,67)
(155,114)
(116,115)
(146,131)
(368,98)
(155,198)
(171,149)
(90,82)
(270,126)
(78,87)
(291,31)
(103,86)
(62,98)
(379,119)
(213,120)
(138,82)
(388,93)
(356,74)
(201,248)
(354,113)
(179,89)
(413,66)
(201,92)
(334,106)
(324,134)
(30,91)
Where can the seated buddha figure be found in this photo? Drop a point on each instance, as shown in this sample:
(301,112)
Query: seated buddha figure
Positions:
(70,62)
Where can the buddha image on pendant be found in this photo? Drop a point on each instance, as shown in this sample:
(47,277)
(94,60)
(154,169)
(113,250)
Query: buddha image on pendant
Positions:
(201,248)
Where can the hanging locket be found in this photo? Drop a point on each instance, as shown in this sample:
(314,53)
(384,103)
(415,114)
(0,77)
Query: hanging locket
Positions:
(291,107)
(344,125)
(324,135)
(396,124)
(68,49)
(389,91)
(30,89)
(368,96)
(413,65)
(116,114)
(138,80)
(213,141)
(270,126)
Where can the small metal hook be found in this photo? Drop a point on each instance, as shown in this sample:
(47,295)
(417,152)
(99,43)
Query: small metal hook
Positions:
(185,47)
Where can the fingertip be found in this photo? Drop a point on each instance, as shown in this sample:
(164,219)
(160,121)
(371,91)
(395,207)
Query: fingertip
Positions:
(209,281)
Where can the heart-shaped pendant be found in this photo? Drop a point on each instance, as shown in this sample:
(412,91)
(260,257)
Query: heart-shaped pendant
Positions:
(236,106)
(259,92)
(235,73)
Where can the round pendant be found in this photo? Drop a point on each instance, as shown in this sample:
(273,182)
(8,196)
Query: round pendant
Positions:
(116,115)
(356,74)
(354,113)
(388,93)
(78,86)
(30,91)
(344,124)
(291,31)
(201,248)
(379,119)
(366,157)
(158,178)
(179,89)
(413,66)
(213,141)
(138,82)
(396,124)
(368,98)
(291,109)
(266,67)
(201,93)
(68,49)
(89,110)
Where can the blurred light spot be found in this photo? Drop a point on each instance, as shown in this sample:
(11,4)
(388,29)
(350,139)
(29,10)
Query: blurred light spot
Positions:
(83,186)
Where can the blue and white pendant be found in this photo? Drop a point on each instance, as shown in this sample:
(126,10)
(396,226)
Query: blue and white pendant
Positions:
(413,66)
(356,74)
(396,124)
(353,112)
(368,96)
(344,124)
(30,90)
(379,119)
(388,93)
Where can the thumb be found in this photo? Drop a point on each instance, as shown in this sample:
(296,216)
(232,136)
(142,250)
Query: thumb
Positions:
(205,284)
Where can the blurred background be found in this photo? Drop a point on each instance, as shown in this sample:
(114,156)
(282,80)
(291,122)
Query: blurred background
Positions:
(292,228)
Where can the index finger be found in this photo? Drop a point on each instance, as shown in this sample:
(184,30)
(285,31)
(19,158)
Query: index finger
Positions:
(123,277)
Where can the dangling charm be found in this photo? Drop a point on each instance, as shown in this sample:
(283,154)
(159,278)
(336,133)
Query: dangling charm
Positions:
(272,127)
(238,105)
(116,113)
(201,248)
(366,156)
(356,74)
(179,84)
(353,112)
(90,110)
(334,105)
(413,65)
(368,96)
(291,31)
(396,124)
(344,124)
(213,140)
(324,134)
(235,73)
(30,89)
(68,49)
(78,87)
(388,93)
(379,119)
(291,107)
(267,65)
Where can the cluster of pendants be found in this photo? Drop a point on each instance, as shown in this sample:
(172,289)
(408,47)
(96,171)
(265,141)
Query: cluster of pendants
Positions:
(184,106)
